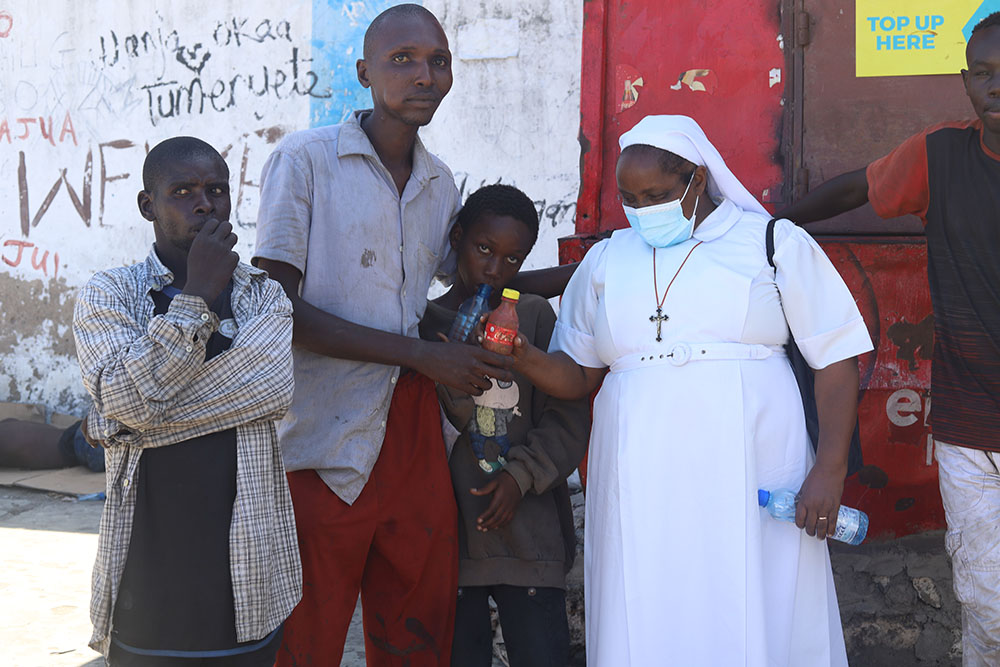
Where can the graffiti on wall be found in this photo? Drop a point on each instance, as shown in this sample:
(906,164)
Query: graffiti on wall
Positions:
(187,81)
(561,211)
(85,93)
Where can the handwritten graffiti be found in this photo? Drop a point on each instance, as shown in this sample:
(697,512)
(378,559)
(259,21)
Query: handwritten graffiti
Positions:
(169,99)
(552,212)
(23,127)
(270,135)
(14,252)
(234,31)
(197,87)
(556,213)
(101,167)
(108,95)
(6,24)
(114,49)
(81,201)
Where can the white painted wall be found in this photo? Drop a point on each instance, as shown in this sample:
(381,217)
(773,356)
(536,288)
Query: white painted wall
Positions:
(513,114)
(85,87)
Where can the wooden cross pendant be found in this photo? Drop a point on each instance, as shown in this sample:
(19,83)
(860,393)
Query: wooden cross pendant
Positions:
(659,318)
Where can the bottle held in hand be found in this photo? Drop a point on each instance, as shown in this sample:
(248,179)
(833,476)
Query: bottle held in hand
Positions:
(852,524)
(501,328)
(469,314)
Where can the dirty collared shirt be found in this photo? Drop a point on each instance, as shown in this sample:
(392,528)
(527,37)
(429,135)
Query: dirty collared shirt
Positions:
(152,387)
(367,255)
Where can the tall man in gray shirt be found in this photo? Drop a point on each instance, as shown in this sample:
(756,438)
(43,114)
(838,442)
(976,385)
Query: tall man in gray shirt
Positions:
(354,222)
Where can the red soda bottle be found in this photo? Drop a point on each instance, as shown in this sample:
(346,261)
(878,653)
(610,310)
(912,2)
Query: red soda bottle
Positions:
(501,328)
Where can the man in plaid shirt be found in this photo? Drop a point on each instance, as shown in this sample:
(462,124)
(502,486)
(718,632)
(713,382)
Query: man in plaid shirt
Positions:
(187,356)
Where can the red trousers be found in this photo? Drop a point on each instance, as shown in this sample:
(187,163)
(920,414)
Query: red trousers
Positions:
(397,545)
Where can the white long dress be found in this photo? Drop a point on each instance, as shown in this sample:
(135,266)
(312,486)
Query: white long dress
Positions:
(681,565)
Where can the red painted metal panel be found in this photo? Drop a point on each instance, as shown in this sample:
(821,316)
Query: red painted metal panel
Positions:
(898,486)
(722,66)
(591,115)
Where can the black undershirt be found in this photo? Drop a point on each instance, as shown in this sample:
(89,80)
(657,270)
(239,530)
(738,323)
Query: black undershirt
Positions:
(176,592)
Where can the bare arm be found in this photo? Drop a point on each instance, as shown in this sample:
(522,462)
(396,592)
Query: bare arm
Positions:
(547,283)
(837,195)
(555,373)
(837,406)
(463,367)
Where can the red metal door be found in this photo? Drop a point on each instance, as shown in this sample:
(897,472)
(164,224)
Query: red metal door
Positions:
(723,66)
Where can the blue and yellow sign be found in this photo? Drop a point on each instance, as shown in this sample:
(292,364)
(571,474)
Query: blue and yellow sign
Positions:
(911,37)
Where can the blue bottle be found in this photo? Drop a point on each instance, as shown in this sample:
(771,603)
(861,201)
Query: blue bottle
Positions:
(469,314)
(852,524)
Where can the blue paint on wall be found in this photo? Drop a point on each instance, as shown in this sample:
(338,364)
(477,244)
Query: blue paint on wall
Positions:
(338,31)
(985,9)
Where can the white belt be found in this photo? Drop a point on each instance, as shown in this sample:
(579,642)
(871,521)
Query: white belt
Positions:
(679,354)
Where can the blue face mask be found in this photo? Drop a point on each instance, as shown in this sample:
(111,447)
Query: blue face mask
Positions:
(663,225)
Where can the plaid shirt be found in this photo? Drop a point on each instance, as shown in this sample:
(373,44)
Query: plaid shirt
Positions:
(152,387)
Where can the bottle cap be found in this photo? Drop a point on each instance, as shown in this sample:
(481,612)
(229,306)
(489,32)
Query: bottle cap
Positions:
(762,497)
(511,294)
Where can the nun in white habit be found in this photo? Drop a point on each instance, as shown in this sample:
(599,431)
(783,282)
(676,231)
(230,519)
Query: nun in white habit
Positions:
(684,319)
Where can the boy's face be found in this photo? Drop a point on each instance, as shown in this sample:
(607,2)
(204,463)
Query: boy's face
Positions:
(491,251)
(409,69)
(982,79)
(187,194)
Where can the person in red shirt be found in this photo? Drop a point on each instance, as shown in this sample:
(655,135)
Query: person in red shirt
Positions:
(949,176)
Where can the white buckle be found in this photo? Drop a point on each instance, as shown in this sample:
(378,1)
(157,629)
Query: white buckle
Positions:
(680,354)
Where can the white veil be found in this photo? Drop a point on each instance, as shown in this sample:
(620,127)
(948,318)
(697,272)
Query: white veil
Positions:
(682,136)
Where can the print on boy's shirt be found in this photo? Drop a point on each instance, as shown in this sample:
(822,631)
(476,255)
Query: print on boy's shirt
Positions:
(495,408)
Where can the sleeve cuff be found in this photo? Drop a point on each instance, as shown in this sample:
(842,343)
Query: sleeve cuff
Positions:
(197,311)
(578,345)
(277,255)
(109,432)
(520,475)
(844,342)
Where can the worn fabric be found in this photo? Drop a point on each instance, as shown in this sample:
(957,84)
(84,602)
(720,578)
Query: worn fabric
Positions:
(970,491)
(368,255)
(547,437)
(395,544)
(686,430)
(533,620)
(152,387)
(949,178)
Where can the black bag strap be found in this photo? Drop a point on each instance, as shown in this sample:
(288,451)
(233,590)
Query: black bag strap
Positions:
(769,242)
(804,378)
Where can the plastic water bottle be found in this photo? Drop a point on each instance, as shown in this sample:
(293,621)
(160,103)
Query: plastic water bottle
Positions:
(852,524)
(469,314)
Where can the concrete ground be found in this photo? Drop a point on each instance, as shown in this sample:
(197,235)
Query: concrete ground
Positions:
(47,547)
(895,597)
